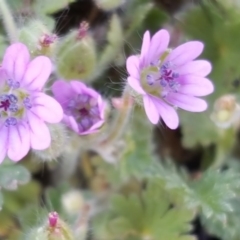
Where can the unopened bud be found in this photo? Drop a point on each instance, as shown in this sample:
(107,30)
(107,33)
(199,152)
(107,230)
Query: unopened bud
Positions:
(53,219)
(38,38)
(52,229)
(76,56)
(226,111)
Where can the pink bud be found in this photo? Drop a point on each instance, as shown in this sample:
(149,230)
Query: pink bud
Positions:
(53,219)
(83,29)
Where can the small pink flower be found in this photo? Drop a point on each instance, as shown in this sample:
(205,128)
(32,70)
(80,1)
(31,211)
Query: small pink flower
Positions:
(23,107)
(168,79)
(83,107)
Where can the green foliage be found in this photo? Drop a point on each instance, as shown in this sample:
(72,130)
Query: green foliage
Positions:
(222,49)
(140,13)
(148,215)
(212,193)
(115,44)
(50,7)
(109,5)
(12,175)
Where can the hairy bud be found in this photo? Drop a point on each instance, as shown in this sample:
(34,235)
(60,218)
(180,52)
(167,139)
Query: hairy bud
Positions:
(38,38)
(226,111)
(76,55)
(53,228)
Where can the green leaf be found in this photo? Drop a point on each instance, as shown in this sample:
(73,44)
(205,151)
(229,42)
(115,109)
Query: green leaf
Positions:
(213,193)
(115,43)
(149,215)
(50,7)
(138,15)
(12,175)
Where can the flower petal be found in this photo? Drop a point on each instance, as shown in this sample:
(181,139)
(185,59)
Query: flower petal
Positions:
(150,109)
(158,45)
(47,108)
(167,113)
(145,47)
(37,73)
(15,61)
(62,91)
(71,123)
(195,86)
(78,86)
(40,137)
(186,102)
(132,65)
(18,142)
(3,142)
(199,68)
(186,52)
(135,85)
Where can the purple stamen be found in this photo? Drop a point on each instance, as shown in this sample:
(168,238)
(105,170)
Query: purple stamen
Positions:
(150,79)
(13,108)
(163,83)
(13,84)
(27,103)
(11,121)
(12,98)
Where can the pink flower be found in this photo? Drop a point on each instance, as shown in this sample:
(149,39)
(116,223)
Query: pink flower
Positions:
(83,107)
(23,107)
(169,79)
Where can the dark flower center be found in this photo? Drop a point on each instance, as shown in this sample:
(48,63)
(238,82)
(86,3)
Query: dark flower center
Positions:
(5,104)
(83,112)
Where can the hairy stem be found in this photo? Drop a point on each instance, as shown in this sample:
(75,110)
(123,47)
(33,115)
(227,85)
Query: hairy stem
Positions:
(121,119)
(8,21)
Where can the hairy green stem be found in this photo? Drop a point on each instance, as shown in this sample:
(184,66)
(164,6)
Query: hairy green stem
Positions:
(224,146)
(8,21)
(121,119)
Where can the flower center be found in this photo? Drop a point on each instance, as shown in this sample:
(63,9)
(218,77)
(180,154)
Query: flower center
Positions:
(13,102)
(84,109)
(159,79)
(83,112)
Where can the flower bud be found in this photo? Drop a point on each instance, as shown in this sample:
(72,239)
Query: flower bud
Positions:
(76,55)
(109,5)
(58,141)
(38,38)
(226,111)
(52,229)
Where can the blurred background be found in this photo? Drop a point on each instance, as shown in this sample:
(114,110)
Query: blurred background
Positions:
(78,184)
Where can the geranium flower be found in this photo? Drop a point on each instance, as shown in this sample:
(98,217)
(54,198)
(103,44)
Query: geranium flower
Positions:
(24,108)
(167,79)
(83,107)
